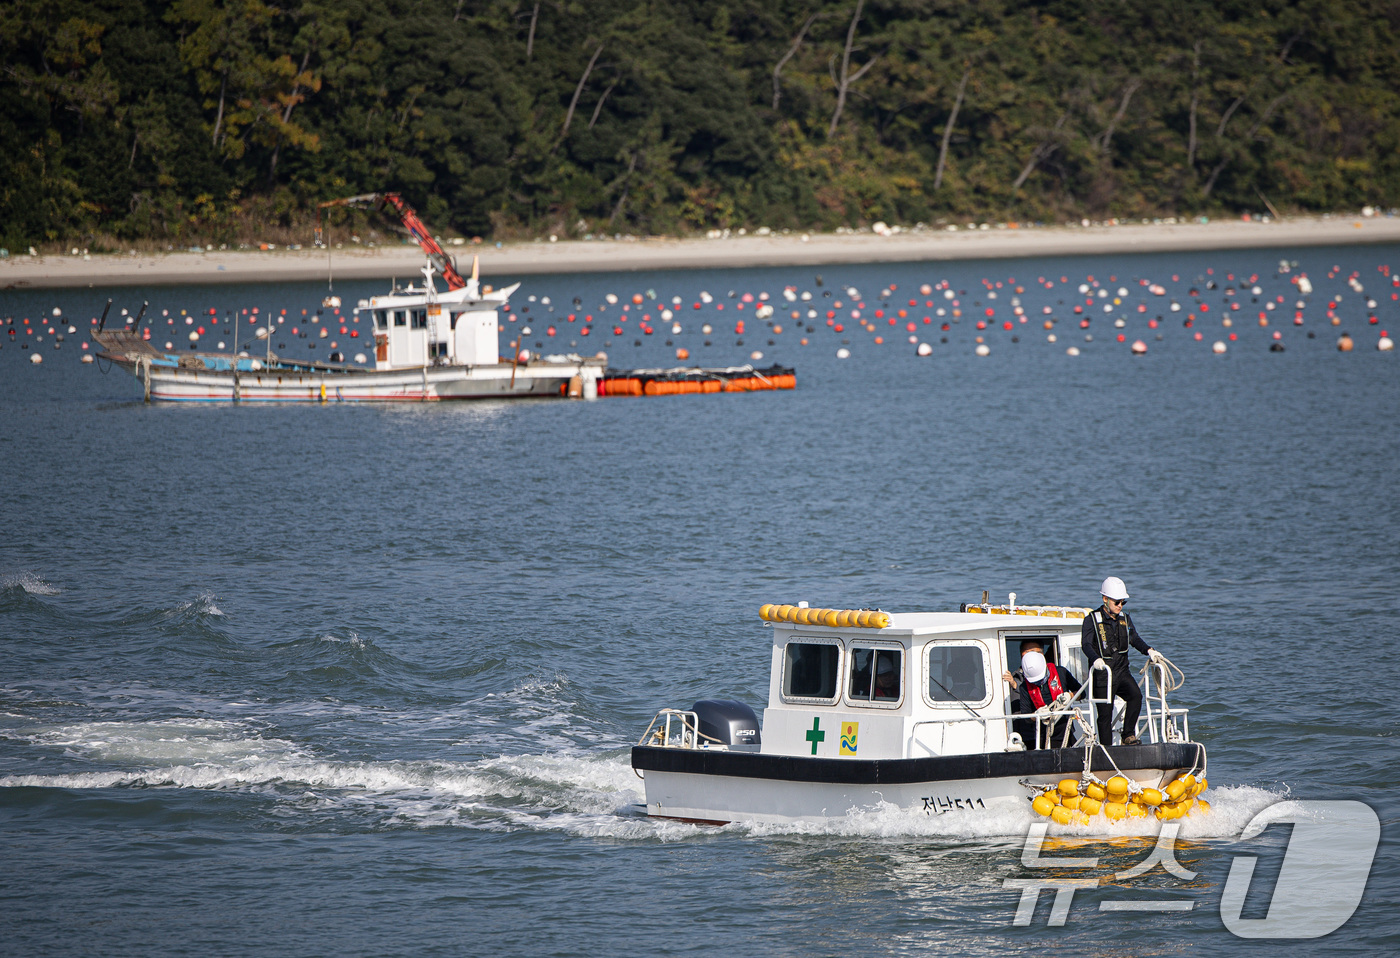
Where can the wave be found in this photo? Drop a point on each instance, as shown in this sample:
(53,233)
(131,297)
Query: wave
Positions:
(198,607)
(30,583)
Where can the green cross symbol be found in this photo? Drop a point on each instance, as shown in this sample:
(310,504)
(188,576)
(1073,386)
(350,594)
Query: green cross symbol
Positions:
(816,734)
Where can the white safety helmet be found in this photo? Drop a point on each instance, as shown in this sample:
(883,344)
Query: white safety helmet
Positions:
(1033,667)
(1113,588)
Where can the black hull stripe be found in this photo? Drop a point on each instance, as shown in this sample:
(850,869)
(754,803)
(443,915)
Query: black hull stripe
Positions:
(905,771)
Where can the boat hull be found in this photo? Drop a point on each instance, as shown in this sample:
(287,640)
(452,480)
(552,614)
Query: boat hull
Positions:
(422,384)
(719,786)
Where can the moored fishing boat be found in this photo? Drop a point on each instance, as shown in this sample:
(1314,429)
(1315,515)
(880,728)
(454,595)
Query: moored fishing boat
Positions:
(867,709)
(429,345)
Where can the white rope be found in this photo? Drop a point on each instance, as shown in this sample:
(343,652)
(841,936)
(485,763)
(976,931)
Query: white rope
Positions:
(1173,681)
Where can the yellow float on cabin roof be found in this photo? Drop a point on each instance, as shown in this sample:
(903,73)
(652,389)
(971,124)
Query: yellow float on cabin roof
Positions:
(831,618)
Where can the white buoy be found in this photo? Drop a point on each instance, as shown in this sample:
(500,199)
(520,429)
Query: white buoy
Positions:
(87,358)
(1304,285)
(1051,338)
(1072,351)
(359,357)
(983,349)
(707,329)
(675,329)
(925,349)
(1139,347)
(1219,347)
(843,353)
(755,355)
(36,359)
(611,298)
(1386,344)
(194,337)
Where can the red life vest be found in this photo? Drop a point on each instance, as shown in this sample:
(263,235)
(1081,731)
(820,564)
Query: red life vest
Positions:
(1052,679)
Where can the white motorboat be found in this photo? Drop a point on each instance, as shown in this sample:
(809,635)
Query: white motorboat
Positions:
(867,709)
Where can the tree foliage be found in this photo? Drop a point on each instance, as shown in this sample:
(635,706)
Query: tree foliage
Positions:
(197,119)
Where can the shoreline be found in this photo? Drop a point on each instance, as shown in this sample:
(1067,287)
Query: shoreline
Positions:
(641,254)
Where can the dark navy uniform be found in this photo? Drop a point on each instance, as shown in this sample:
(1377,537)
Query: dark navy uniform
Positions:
(1106,636)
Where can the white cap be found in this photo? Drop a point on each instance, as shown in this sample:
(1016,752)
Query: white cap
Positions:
(1113,588)
(1033,666)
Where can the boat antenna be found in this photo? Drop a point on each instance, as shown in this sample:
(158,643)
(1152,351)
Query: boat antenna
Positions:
(970,709)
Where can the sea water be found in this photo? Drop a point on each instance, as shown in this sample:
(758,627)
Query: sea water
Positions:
(362,679)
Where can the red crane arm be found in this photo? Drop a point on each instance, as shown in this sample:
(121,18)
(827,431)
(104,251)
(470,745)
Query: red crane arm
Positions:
(411,223)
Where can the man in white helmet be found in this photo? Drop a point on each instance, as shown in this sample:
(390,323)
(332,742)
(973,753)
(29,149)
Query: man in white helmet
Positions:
(1106,635)
(1045,683)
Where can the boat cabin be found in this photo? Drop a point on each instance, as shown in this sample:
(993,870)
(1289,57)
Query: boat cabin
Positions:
(420,326)
(924,684)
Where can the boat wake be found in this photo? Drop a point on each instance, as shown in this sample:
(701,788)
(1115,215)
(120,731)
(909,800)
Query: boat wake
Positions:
(582,793)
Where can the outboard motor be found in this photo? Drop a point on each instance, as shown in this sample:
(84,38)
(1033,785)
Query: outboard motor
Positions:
(732,723)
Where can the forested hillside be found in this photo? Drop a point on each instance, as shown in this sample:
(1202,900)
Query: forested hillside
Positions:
(221,120)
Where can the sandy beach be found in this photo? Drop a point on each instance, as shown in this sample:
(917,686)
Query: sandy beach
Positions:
(533,258)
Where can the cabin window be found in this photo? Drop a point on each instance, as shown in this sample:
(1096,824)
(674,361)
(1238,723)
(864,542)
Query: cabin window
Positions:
(877,675)
(957,674)
(1019,643)
(420,319)
(381,319)
(400,317)
(436,350)
(810,670)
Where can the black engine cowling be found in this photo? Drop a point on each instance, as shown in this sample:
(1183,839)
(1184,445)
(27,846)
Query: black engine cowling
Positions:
(732,723)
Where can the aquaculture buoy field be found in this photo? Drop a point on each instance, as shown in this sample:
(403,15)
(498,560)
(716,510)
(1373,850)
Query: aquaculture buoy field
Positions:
(363,678)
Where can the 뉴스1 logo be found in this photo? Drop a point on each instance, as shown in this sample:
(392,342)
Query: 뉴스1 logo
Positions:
(1319,886)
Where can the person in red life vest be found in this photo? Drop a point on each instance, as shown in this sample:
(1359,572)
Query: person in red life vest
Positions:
(1015,678)
(1045,683)
(1106,634)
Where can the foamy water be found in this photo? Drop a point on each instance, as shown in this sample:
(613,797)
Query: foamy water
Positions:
(582,794)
